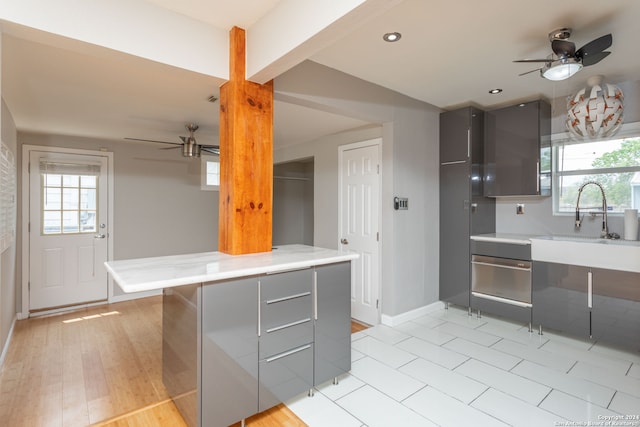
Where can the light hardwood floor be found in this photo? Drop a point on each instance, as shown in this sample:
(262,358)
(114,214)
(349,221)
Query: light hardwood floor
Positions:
(97,366)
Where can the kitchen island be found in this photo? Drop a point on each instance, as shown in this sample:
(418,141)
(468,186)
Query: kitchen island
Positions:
(244,333)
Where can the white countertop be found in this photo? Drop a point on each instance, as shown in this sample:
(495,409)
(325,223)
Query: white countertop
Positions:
(520,239)
(145,274)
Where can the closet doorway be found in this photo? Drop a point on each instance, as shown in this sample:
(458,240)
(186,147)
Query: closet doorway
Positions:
(293,202)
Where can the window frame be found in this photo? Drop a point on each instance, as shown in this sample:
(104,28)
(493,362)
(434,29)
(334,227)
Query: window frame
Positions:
(627,131)
(204,160)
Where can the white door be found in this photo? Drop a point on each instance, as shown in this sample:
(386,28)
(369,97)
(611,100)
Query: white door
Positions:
(68,233)
(359,225)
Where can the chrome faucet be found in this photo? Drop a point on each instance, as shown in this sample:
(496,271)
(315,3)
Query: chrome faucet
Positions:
(605,230)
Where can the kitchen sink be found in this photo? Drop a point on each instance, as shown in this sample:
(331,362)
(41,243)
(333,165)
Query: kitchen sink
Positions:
(591,240)
(613,254)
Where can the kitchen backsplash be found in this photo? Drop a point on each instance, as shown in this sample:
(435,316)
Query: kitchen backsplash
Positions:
(539,220)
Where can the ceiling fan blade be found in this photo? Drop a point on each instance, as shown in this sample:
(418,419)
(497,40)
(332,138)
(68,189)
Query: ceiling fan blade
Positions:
(171,148)
(529,72)
(152,140)
(594,58)
(595,46)
(211,149)
(533,60)
(563,48)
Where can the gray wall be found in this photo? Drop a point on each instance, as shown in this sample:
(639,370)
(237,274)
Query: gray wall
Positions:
(8,257)
(409,131)
(159,208)
(538,217)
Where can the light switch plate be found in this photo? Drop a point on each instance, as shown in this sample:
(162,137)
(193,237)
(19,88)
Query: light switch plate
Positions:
(519,208)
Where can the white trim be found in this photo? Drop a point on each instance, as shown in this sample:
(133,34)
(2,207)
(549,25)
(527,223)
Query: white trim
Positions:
(26,151)
(411,314)
(5,349)
(627,130)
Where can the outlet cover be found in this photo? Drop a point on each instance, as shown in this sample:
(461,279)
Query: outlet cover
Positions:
(519,208)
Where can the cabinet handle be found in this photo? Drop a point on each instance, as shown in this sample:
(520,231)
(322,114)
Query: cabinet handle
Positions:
(259,304)
(287,353)
(288,325)
(538,177)
(468,143)
(315,295)
(287,298)
(590,289)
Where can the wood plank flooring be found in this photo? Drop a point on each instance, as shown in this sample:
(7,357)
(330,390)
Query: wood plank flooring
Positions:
(98,366)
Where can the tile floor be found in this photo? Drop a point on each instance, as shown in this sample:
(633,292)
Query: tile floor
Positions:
(451,369)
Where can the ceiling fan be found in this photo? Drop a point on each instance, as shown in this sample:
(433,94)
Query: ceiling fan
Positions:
(565,60)
(190,148)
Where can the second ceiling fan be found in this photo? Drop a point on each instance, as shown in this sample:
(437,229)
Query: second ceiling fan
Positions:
(189,145)
(565,60)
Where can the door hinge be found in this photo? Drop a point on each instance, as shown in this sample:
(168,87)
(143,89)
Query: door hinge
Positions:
(377,303)
(28,167)
(29,228)
(378,169)
(377,236)
(29,286)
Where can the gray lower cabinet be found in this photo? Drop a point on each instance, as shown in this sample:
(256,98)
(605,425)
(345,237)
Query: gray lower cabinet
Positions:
(180,355)
(589,302)
(615,312)
(229,376)
(237,347)
(286,336)
(559,297)
(332,322)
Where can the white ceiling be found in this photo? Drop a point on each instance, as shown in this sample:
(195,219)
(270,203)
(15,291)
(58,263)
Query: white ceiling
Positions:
(451,53)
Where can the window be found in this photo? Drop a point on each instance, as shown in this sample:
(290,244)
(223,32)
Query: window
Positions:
(210,173)
(614,163)
(69,195)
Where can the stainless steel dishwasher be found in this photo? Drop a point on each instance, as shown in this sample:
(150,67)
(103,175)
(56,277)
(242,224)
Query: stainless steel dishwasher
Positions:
(501,277)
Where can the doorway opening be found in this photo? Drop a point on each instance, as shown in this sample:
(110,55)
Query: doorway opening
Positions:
(293,202)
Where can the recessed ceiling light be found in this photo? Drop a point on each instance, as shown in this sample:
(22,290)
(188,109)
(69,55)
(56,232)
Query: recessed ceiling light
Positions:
(495,91)
(392,37)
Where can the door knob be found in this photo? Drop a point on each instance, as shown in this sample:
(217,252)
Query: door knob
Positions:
(344,241)
(99,236)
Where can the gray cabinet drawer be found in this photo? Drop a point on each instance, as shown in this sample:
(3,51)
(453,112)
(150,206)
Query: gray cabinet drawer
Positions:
(283,285)
(501,249)
(284,335)
(286,310)
(285,375)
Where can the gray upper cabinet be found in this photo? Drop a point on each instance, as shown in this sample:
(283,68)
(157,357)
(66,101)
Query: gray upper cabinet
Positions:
(517,150)
(463,209)
(455,135)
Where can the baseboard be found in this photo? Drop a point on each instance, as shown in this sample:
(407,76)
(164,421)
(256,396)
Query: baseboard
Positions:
(410,315)
(5,348)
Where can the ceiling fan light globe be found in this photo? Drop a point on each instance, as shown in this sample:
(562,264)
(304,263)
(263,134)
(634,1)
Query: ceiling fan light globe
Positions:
(560,71)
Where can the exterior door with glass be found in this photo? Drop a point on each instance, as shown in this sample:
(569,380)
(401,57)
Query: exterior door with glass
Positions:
(68,242)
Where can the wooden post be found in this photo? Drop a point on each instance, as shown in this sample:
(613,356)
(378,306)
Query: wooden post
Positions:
(246,158)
